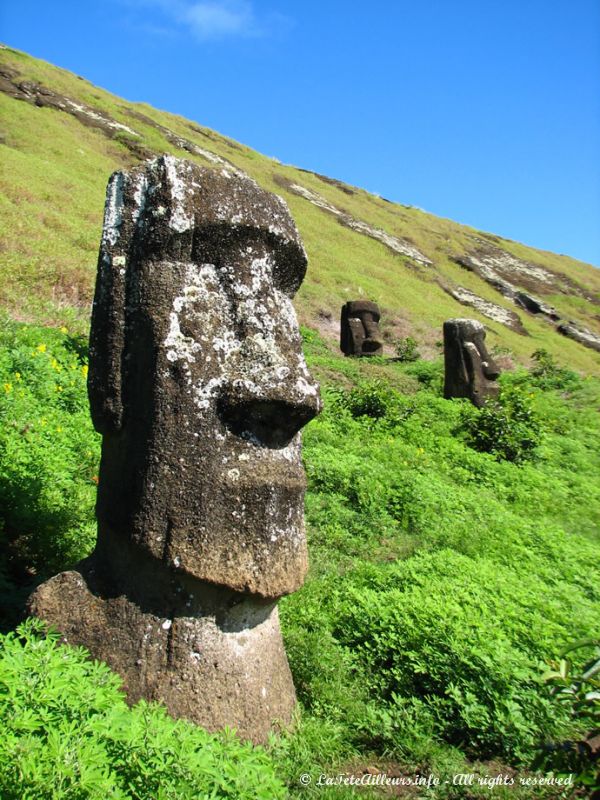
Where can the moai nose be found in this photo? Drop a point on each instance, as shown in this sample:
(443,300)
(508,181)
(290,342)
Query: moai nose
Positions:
(271,423)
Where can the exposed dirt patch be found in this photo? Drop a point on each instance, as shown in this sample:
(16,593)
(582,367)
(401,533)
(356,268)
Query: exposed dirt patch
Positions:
(328,324)
(344,187)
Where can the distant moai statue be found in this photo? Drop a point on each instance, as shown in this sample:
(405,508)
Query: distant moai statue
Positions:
(470,371)
(359,330)
(198,385)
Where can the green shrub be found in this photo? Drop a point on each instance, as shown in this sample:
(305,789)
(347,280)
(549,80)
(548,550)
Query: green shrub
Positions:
(547,374)
(48,449)
(429,373)
(508,428)
(576,686)
(371,399)
(374,399)
(67,733)
(406,349)
(458,640)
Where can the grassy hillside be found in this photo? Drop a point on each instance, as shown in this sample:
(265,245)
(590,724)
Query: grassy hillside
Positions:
(453,551)
(446,568)
(56,162)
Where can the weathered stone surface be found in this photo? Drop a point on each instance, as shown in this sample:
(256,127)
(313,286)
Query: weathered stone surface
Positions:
(210,655)
(470,371)
(198,384)
(491,310)
(359,329)
(580,334)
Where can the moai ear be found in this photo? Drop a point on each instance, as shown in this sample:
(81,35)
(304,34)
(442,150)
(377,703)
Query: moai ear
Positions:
(108,313)
(473,363)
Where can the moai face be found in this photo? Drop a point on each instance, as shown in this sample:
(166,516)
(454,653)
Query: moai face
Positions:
(197,379)
(470,371)
(359,333)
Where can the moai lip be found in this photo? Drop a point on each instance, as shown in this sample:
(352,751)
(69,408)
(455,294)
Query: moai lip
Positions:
(470,371)
(199,388)
(359,330)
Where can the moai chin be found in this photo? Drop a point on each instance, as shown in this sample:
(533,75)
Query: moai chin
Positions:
(470,371)
(359,330)
(199,388)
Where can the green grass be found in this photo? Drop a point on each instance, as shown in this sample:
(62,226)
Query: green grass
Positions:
(52,191)
(441,578)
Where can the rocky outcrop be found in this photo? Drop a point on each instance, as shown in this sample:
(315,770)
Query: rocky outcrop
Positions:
(469,370)
(399,246)
(181,142)
(580,334)
(518,280)
(198,385)
(485,307)
(43,97)
(38,95)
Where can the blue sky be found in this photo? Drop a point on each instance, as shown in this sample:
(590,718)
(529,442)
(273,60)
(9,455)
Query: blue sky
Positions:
(485,112)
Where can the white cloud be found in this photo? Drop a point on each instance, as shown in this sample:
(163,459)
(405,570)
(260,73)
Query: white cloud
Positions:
(214,20)
(208,19)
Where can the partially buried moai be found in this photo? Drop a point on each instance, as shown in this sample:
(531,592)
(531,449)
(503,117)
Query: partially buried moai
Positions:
(359,330)
(198,385)
(470,371)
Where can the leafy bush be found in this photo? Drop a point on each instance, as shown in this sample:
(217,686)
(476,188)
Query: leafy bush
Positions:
(508,428)
(463,637)
(429,373)
(68,733)
(576,687)
(48,449)
(406,349)
(376,400)
(547,374)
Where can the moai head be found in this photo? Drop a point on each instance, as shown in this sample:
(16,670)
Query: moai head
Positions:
(470,371)
(197,379)
(359,332)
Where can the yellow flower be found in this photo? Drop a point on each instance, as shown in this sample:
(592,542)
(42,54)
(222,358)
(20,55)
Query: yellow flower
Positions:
(7,387)
(84,369)
(41,348)
(17,376)
(55,364)
(58,388)
(58,429)
(64,329)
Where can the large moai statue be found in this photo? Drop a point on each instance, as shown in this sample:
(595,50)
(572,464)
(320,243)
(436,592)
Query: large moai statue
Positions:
(470,371)
(199,388)
(359,330)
